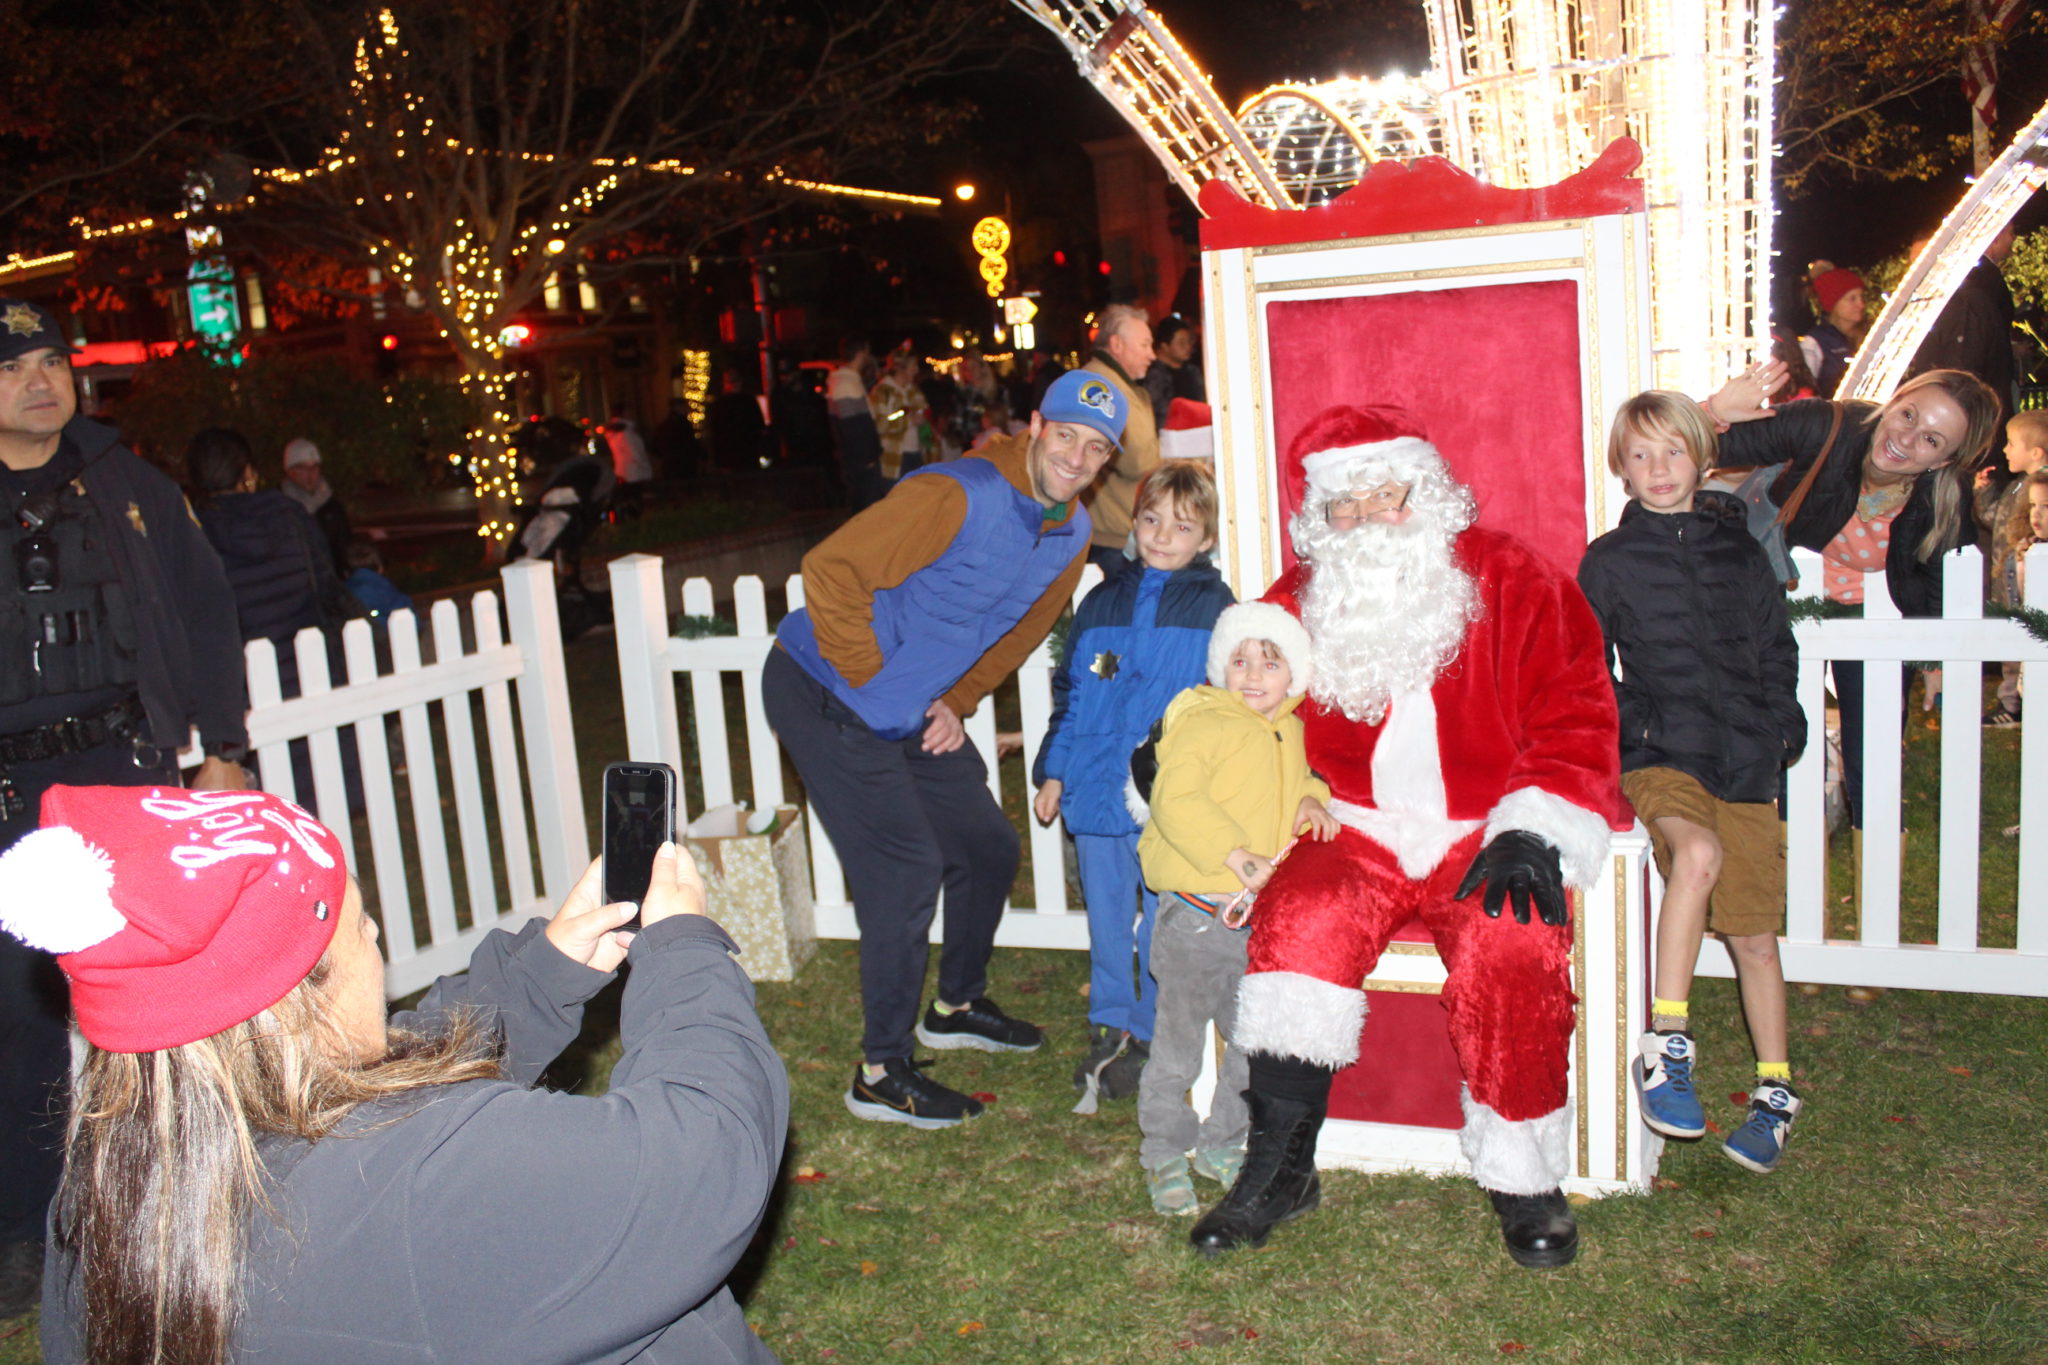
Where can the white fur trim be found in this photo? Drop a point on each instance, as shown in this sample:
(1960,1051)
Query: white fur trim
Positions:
(1134,803)
(57,891)
(1286,1014)
(1261,621)
(1327,471)
(1580,836)
(1525,1156)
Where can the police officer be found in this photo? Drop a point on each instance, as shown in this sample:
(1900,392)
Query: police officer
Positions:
(117,636)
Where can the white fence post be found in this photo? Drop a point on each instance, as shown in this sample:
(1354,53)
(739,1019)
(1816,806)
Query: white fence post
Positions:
(2033,868)
(532,615)
(640,611)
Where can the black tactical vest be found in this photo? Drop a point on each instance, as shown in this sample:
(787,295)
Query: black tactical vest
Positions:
(71,631)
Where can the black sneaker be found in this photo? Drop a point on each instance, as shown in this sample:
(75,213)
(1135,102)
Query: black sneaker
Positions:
(1105,1045)
(1120,1077)
(2000,717)
(904,1094)
(981,1025)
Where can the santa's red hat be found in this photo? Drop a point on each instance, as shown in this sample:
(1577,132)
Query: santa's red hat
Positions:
(1351,447)
(175,913)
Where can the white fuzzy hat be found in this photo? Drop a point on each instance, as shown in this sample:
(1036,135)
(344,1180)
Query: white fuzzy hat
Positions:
(1260,621)
(300,451)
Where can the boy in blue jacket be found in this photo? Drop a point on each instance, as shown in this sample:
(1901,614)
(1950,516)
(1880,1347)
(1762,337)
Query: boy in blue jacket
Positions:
(1136,641)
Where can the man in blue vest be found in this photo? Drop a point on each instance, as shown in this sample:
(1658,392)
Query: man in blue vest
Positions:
(913,611)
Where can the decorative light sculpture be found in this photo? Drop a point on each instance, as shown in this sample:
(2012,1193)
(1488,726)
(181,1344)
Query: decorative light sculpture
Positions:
(1525,92)
(1320,138)
(1534,89)
(1909,314)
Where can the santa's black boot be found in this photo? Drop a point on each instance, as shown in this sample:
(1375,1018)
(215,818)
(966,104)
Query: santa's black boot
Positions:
(1538,1228)
(1278,1181)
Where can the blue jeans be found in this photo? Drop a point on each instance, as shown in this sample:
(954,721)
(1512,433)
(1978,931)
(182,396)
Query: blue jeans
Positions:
(1121,909)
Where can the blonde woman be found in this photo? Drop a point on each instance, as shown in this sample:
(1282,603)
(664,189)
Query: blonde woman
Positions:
(261,1166)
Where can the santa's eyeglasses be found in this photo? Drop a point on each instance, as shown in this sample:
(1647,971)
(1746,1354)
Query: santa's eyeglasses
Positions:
(1359,503)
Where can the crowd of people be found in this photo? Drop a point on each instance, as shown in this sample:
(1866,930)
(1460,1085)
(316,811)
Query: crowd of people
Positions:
(1421,719)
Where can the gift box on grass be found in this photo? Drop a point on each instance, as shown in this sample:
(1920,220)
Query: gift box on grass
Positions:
(758,885)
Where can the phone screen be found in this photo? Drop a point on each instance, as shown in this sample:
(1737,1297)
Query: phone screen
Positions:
(639,816)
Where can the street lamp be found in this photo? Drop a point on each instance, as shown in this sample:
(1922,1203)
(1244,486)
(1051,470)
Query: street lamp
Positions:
(963,192)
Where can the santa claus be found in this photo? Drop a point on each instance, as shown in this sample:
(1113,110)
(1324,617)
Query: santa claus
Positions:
(1462,714)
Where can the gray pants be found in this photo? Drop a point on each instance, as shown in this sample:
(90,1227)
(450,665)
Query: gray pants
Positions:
(1197,963)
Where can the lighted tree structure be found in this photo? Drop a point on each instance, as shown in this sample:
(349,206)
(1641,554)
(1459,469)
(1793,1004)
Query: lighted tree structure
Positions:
(1527,92)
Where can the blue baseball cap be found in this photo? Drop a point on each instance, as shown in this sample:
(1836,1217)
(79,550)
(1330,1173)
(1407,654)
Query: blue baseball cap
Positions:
(1086,399)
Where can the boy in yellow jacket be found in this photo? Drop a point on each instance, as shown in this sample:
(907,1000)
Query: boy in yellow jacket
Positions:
(1233,787)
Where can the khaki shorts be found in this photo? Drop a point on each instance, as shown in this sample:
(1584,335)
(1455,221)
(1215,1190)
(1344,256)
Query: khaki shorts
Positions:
(1749,898)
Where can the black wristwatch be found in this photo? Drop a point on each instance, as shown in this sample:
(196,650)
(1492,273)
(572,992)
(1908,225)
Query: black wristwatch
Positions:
(227,750)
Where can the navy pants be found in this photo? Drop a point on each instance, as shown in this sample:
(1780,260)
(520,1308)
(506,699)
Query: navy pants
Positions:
(905,824)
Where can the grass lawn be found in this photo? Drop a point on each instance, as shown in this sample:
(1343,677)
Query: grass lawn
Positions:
(1909,1222)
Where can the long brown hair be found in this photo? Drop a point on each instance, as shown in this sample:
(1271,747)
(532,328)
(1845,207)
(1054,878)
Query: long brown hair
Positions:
(162,1176)
(1979,406)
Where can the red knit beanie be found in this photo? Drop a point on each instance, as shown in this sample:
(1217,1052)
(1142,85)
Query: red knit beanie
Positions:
(1830,287)
(175,913)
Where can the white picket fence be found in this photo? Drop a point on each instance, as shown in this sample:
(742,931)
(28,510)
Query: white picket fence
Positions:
(513,784)
(1963,639)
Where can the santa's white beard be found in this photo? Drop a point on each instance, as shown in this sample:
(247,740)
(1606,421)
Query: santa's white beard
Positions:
(1386,607)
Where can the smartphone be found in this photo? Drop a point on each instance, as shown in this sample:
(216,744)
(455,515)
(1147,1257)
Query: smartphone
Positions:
(639,816)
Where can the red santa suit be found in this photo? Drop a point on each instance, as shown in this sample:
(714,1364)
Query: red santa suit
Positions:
(1517,732)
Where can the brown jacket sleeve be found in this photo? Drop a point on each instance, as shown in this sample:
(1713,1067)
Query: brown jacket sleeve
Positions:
(877,549)
(1016,645)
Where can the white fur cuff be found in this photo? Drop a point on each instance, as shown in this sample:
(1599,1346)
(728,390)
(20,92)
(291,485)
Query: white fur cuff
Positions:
(1333,471)
(1287,1014)
(1580,836)
(1525,1156)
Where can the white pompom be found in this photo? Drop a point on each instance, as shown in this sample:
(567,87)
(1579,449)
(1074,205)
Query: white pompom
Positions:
(57,892)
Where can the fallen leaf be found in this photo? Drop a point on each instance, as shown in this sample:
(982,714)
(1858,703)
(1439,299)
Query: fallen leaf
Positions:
(1578,1200)
(789,1243)
(806,1175)
(1816,1030)
(1704,1234)
(984,1096)
(1811,988)
(868,1267)
(1251,1334)
(798,1004)
(865,1208)
(810,1064)
(1713,1127)
(1083,992)
(1508,1348)
(1738,1098)
(968,1327)
(828,1242)
(1959,1071)
(1863,995)
(1660,1183)
(1894,1118)
(828,1350)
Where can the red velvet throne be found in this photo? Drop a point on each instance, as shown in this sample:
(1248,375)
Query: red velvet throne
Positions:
(1512,322)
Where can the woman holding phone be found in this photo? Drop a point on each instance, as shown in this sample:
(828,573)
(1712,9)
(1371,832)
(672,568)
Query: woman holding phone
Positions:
(343,1186)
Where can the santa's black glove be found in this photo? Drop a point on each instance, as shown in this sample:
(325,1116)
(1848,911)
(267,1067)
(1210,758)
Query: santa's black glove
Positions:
(1517,866)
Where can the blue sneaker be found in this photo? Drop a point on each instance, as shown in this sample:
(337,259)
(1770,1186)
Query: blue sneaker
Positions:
(1761,1139)
(1663,1074)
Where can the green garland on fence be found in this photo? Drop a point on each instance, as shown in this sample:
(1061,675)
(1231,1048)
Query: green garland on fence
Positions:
(702,627)
(1819,609)
(2032,619)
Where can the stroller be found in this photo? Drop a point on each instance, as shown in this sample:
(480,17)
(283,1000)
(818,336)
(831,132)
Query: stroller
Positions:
(572,503)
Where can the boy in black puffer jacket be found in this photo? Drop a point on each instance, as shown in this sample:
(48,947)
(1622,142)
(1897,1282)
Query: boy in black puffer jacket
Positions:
(1709,717)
